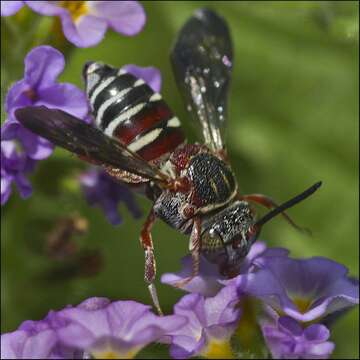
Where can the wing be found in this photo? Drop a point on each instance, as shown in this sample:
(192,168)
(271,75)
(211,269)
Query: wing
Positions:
(202,62)
(72,134)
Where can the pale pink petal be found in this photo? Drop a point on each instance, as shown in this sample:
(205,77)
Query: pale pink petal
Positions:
(45,7)
(125,17)
(9,8)
(87,31)
(43,65)
(66,97)
(151,75)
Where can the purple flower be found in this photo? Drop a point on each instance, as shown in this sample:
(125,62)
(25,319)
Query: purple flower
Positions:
(305,289)
(211,322)
(10,7)
(43,65)
(114,330)
(209,281)
(84,23)
(205,283)
(95,327)
(101,189)
(37,340)
(287,339)
(14,166)
(151,75)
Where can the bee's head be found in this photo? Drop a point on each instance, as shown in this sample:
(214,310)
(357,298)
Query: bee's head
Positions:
(227,237)
(93,72)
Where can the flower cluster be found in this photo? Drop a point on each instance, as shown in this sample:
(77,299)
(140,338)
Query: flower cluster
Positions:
(20,148)
(287,339)
(295,297)
(84,23)
(39,87)
(96,327)
(211,323)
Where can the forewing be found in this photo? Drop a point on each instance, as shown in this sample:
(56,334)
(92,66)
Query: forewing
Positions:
(202,62)
(72,134)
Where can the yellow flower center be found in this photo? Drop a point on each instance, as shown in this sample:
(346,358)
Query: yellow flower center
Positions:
(303,305)
(75,8)
(218,350)
(113,354)
(105,355)
(247,329)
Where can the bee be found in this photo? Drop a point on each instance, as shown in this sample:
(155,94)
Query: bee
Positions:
(138,140)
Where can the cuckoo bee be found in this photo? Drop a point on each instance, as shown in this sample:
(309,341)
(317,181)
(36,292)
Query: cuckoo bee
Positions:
(138,140)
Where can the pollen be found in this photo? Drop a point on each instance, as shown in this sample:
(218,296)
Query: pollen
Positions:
(218,350)
(303,305)
(247,329)
(75,8)
(107,355)
(111,354)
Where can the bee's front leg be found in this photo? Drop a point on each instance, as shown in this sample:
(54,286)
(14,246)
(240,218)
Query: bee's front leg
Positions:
(150,263)
(194,247)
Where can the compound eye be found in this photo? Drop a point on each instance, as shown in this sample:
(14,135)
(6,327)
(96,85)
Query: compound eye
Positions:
(211,240)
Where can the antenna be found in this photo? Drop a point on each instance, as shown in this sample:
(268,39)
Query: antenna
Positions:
(287,204)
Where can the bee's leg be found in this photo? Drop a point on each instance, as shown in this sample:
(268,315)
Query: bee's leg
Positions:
(194,247)
(150,264)
(271,204)
(222,154)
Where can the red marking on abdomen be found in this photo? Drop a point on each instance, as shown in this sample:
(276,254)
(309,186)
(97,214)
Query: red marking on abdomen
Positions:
(148,117)
(167,142)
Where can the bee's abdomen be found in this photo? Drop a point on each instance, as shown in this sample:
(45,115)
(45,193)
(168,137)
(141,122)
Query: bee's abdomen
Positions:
(126,108)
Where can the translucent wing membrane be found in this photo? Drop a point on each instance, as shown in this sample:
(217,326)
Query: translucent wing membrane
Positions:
(74,135)
(202,62)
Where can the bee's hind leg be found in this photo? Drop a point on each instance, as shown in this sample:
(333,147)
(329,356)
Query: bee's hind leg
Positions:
(150,263)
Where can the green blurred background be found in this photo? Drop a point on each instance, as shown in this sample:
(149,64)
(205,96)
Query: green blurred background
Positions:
(293,120)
